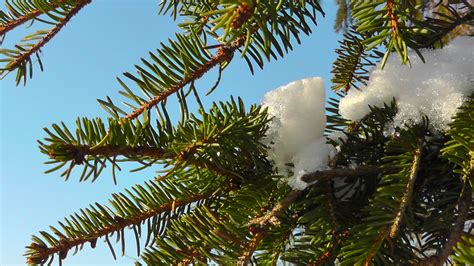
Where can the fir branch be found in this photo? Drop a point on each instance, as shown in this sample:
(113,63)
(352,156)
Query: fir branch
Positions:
(80,152)
(351,68)
(10,25)
(337,241)
(326,175)
(259,226)
(277,209)
(16,18)
(363,170)
(439,28)
(20,60)
(250,247)
(456,231)
(39,253)
(407,196)
(224,54)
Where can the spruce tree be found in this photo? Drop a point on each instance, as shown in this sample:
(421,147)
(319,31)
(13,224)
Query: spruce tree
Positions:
(402,197)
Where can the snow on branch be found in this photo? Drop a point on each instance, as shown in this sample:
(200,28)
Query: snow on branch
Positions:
(296,130)
(435,89)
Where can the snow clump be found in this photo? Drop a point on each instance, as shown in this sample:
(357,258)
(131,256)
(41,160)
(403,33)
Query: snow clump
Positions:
(296,129)
(435,89)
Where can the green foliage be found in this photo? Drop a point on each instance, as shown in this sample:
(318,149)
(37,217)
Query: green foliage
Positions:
(352,66)
(398,25)
(464,250)
(219,199)
(154,204)
(199,140)
(52,12)
(460,148)
(378,232)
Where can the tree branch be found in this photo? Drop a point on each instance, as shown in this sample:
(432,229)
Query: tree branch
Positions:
(250,247)
(277,209)
(80,152)
(406,199)
(64,245)
(35,48)
(224,54)
(20,20)
(363,170)
(456,231)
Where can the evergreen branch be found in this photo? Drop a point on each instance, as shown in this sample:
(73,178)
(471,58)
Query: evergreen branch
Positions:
(21,13)
(224,54)
(20,58)
(372,237)
(206,142)
(278,209)
(80,152)
(337,241)
(259,226)
(456,231)
(202,234)
(35,48)
(438,28)
(267,30)
(359,171)
(353,62)
(326,175)
(10,25)
(407,196)
(250,247)
(101,222)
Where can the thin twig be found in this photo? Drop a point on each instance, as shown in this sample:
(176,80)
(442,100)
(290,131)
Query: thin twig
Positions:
(35,48)
(250,247)
(363,170)
(277,209)
(457,230)
(18,21)
(222,55)
(66,244)
(406,199)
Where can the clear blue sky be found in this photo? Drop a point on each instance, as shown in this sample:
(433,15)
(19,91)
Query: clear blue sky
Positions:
(105,39)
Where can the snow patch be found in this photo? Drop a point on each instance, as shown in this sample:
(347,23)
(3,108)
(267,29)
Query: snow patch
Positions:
(296,129)
(435,89)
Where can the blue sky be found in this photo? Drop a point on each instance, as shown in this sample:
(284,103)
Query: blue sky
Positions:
(81,63)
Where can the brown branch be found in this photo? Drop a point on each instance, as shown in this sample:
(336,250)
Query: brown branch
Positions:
(363,170)
(65,245)
(464,205)
(277,209)
(18,21)
(80,152)
(337,241)
(222,55)
(406,199)
(392,18)
(259,226)
(250,247)
(375,246)
(320,176)
(35,48)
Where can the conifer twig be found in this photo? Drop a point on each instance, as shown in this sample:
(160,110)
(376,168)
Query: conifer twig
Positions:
(19,21)
(406,199)
(464,205)
(250,247)
(363,170)
(64,245)
(35,48)
(222,55)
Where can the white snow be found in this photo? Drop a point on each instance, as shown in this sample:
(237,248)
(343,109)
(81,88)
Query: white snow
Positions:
(435,89)
(297,128)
